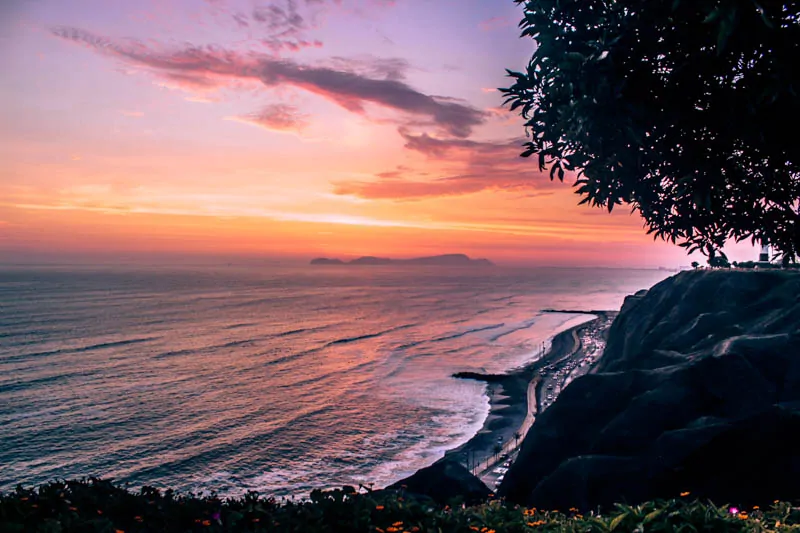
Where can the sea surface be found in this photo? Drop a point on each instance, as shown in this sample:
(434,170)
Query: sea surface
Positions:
(275,379)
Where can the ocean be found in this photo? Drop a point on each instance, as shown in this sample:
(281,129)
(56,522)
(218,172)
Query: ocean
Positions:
(274,379)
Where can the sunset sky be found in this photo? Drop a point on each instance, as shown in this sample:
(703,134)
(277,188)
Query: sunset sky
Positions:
(281,128)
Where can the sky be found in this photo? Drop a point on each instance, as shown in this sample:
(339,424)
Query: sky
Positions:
(282,128)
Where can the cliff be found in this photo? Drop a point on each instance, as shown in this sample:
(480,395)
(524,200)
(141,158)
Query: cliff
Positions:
(698,391)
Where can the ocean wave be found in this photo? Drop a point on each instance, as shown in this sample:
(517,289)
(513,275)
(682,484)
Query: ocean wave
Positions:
(512,330)
(468,332)
(348,340)
(82,349)
(32,383)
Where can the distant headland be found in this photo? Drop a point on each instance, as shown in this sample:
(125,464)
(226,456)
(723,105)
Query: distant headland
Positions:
(435,260)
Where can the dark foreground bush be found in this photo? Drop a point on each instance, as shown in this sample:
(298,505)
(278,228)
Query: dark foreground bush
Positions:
(101,506)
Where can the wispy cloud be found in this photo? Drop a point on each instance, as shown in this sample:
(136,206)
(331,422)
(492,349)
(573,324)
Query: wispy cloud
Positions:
(212,66)
(571,231)
(496,23)
(276,117)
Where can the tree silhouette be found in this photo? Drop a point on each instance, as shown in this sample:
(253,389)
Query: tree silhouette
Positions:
(680,109)
(517,436)
(497,449)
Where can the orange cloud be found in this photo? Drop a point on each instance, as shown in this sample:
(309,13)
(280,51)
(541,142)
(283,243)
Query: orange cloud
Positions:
(481,166)
(276,117)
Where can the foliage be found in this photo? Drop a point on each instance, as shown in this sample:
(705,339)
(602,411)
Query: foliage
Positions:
(681,109)
(101,506)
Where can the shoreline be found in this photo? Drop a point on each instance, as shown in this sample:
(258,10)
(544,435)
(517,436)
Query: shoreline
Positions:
(509,407)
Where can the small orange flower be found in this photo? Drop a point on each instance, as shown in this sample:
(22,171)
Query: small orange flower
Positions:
(398,524)
(73,508)
(379,507)
(206,522)
(756,507)
(256,520)
(685,494)
(119,531)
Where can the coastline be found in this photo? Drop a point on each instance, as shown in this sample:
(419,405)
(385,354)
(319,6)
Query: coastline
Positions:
(509,396)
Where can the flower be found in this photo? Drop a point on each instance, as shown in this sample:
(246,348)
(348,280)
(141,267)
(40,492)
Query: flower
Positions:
(685,494)
(398,524)
(756,507)
(379,507)
(206,522)
(215,516)
(733,510)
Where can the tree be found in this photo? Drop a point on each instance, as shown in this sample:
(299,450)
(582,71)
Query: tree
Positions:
(718,261)
(679,109)
(695,264)
(517,436)
(497,449)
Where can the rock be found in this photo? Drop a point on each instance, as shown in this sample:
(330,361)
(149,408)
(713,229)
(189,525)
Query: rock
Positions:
(446,482)
(698,390)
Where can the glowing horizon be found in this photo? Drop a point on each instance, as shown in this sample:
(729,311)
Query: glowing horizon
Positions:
(262,127)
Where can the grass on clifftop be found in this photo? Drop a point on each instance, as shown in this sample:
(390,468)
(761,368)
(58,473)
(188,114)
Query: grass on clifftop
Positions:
(101,506)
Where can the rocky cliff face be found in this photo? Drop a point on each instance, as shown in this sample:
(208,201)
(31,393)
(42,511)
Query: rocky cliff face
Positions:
(698,390)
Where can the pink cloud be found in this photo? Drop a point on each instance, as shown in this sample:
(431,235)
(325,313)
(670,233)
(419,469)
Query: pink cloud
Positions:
(496,23)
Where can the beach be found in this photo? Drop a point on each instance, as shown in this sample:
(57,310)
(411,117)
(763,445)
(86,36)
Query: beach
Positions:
(517,397)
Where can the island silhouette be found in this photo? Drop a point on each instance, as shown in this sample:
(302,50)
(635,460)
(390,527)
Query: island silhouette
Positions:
(434,260)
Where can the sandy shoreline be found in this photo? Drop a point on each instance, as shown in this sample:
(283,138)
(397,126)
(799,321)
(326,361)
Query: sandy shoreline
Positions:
(508,394)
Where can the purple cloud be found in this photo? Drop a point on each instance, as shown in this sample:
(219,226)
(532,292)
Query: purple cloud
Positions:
(211,65)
